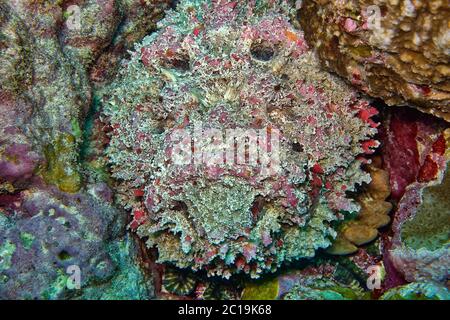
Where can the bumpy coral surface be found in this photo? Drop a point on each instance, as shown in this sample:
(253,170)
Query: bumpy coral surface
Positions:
(323,281)
(394,50)
(373,214)
(221,68)
(419,248)
(46,234)
(45,93)
(418,291)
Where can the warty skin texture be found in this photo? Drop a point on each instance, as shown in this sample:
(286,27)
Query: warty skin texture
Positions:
(235,65)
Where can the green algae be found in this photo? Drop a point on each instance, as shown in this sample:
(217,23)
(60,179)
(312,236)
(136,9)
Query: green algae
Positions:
(60,169)
(266,289)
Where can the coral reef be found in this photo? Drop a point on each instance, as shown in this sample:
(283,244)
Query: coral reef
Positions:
(44,74)
(323,289)
(45,232)
(419,247)
(418,291)
(235,153)
(52,213)
(218,67)
(179,282)
(323,279)
(373,214)
(394,50)
(342,278)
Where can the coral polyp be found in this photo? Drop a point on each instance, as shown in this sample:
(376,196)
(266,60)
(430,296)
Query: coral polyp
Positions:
(179,282)
(232,148)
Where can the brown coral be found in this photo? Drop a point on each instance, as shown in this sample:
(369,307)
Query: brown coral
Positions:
(395,50)
(373,214)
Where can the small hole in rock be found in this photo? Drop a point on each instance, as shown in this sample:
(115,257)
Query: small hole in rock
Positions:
(64,255)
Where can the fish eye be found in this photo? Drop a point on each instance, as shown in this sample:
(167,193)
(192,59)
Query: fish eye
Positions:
(262,51)
(180,63)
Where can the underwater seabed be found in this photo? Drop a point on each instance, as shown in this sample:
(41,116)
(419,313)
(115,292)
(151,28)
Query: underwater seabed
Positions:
(224,150)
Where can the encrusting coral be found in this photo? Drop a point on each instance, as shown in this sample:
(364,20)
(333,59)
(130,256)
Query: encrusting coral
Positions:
(373,214)
(44,232)
(421,247)
(240,68)
(394,50)
(52,214)
(418,291)
(416,153)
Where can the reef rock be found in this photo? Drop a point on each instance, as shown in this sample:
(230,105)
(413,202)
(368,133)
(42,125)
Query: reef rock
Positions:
(373,214)
(418,291)
(49,239)
(50,216)
(395,50)
(416,157)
